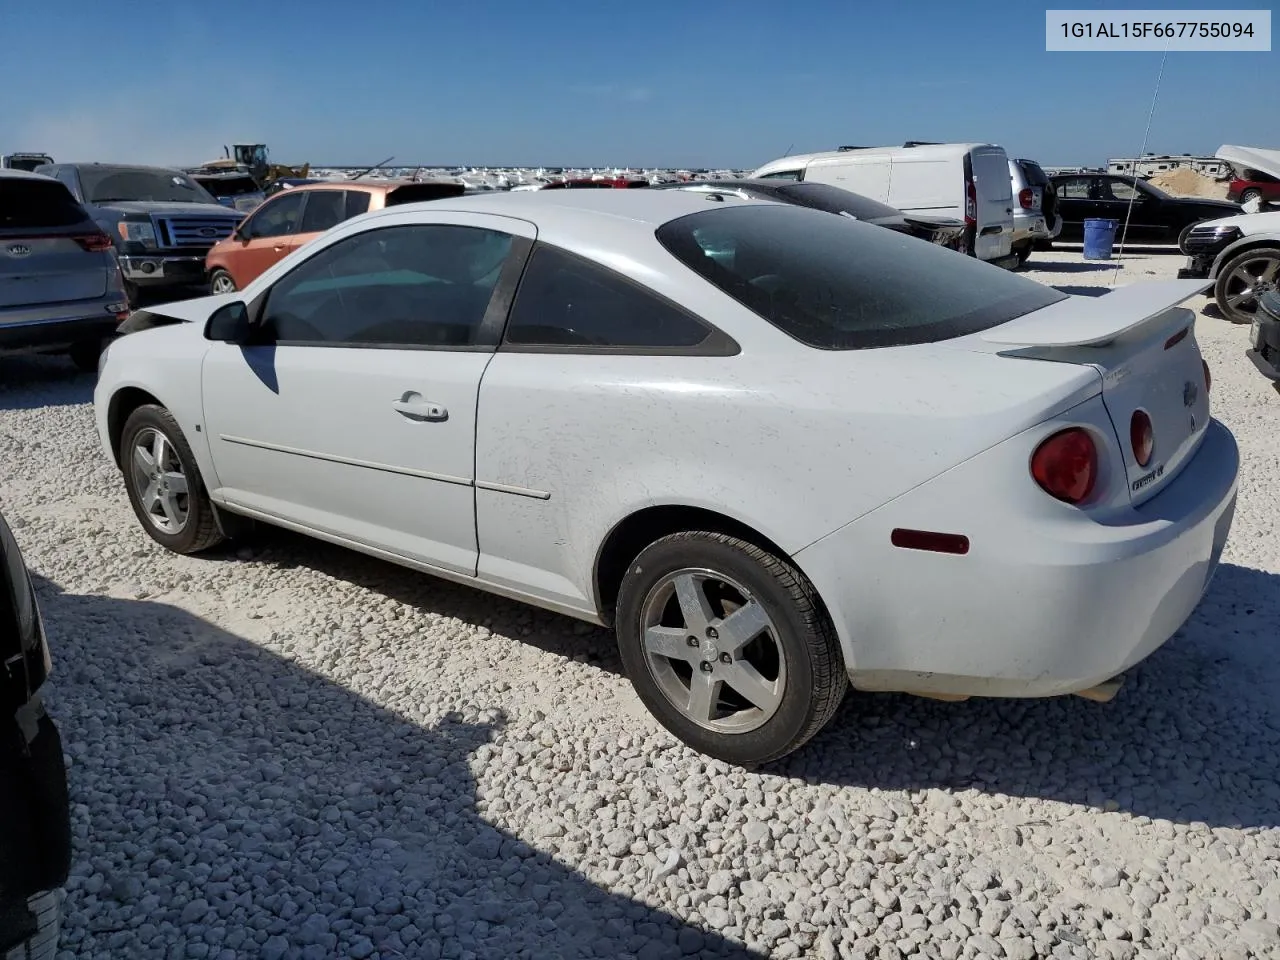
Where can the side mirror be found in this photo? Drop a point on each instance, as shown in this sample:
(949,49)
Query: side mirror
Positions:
(229,324)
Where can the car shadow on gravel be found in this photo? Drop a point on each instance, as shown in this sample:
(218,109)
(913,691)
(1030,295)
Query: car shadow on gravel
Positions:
(1194,735)
(1177,743)
(32,382)
(551,632)
(238,801)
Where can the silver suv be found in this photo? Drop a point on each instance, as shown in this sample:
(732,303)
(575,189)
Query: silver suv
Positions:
(1035,216)
(60,285)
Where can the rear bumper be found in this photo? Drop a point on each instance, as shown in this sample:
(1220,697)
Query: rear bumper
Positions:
(55,326)
(1042,605)
(163,270)
(1030,226)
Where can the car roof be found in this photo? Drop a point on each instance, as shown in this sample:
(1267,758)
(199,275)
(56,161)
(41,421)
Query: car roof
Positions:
(367,186)
(552,207)
(6,173)
(121,166)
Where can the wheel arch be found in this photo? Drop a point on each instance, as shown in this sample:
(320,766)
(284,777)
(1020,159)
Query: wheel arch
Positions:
(123,402)
(644,526)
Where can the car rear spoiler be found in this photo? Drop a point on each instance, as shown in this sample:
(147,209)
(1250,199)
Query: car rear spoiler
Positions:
(1092,321)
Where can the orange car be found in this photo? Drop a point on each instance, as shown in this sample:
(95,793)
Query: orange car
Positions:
(286,221)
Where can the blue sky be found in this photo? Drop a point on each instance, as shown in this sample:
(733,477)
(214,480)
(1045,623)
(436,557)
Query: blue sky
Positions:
(595,83)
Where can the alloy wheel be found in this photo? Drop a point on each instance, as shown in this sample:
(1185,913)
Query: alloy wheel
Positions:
(159,481)
(1250,280)
(713,650)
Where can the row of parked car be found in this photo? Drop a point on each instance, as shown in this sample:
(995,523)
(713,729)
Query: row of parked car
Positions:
(168,234)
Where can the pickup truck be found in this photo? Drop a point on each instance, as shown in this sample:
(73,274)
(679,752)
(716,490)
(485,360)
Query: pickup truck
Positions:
(161,221)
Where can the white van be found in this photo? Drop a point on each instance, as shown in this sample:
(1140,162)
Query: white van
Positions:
(962,180)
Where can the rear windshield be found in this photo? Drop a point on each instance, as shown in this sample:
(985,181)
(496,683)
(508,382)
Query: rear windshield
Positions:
(229,186)
(1036,177)
(107,184)
(836,284)
(29,204)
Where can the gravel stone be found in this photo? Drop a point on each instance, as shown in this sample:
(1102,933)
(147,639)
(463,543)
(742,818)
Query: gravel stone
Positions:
(286,750)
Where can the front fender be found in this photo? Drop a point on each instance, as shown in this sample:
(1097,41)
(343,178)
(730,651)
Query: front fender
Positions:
(159,364)
(1241,246)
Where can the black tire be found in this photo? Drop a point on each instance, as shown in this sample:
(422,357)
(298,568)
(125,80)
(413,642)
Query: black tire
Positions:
(218,275)
(1186,232)
(200,529)
(37,921)
(1251,194)
(131,293)
(1023,253)
(85,354)
(815,678)
(1222,287)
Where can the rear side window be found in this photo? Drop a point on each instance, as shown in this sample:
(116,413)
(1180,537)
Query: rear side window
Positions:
(836,284)
(357,203)
(1035,175)
(566,301)
(31,204)
(324,209)
(783,175)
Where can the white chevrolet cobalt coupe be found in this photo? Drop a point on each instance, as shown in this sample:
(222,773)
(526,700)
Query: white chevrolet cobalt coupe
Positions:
(778,451)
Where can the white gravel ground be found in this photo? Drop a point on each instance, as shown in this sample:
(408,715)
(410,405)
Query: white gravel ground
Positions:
(293,751)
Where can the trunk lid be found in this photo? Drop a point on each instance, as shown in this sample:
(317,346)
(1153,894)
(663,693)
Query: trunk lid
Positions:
(1143,345)
(49,267)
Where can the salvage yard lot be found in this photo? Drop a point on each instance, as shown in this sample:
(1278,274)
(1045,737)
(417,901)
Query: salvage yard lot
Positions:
(289,750)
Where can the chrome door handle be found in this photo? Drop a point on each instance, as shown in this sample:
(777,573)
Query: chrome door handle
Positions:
(413,406)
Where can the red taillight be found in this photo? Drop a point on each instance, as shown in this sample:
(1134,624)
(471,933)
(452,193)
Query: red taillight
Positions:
(1066,465)
(94,242)
(1141,437)
(1208,380)
(1026,198)
(970,203)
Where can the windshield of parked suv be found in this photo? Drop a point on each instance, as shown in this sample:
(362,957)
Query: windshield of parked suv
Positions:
(106,184)
(836,284)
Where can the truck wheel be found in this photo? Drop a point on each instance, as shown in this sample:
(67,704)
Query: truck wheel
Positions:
(131,292)
(85,354)
(1023,253)
(37,922)
(1250,194)
(728,646)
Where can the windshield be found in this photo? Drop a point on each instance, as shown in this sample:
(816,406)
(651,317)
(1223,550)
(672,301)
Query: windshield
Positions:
(836,284)
(105,184)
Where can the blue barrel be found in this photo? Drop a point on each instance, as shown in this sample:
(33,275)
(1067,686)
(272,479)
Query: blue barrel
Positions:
(1099,238)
